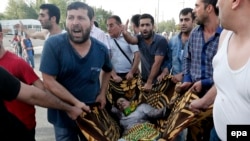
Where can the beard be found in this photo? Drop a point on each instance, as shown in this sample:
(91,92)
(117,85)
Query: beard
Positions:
(84,36)
(47,26)
(147,36)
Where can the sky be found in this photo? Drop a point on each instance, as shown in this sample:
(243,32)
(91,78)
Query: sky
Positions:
(168,9)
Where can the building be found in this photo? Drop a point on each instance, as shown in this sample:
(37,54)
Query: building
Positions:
(11,26)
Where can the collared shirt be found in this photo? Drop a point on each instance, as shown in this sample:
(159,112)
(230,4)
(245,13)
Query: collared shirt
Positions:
(120,63)
(177,48)
(99,35)
(197,63)
(158,47)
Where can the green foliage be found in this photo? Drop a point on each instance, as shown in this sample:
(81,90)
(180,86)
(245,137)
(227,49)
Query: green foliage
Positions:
(101,16)
(17,9)
(167,26)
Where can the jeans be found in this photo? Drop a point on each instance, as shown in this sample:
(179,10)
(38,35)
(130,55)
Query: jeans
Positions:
(68,134)
(30,60)
(213,135)
(181,136)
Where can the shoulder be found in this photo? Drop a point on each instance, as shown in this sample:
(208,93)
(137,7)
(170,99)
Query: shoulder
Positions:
(158,37)
(57,39)
(97,44)
(223,36)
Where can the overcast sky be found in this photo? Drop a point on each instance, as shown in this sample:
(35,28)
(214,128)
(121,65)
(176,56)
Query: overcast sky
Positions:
(168,9)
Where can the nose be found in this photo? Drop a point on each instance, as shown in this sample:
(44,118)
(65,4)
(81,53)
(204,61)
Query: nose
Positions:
(75,21)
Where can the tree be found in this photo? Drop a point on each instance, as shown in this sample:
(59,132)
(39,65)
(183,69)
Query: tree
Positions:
(101,16)
(17,9)
(167,26)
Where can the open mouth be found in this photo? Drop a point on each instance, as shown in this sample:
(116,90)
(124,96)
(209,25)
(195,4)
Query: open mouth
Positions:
(76,32)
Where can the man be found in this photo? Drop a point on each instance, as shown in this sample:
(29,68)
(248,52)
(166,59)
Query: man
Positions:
(20,69)
(197,63)
(99,34)
(177,45)
(231,70)
(135,23)
(70,64)
(124,65)
(11,128)
(202,46)
(153,50)
(28,51)
(49,18)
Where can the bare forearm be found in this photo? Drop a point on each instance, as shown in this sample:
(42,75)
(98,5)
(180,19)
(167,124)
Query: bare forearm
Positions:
(36,96)
(39,84)
(154,71)
(58,90)
(105,82)
(135,63)
(209,97)
(129,38)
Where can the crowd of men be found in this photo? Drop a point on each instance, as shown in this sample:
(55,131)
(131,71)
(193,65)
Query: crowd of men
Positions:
(209,57)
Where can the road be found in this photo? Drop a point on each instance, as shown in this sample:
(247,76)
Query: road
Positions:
(44,130)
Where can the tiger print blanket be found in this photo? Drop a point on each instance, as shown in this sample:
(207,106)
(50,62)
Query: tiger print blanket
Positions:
(99,125)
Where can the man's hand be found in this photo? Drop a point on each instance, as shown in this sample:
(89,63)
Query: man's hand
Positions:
(77,110)
(117,78)
(196,88)
(102,100)
(74,112)
(147,87)
(125,27)
(129,76)
(83,106)
(183,87)
(177,78)
(160,77)
(197,106)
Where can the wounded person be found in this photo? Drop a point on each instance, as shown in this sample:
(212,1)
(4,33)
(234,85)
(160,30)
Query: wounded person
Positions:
(135,120)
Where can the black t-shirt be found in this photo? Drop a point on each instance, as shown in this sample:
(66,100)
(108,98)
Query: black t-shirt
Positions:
(11,128)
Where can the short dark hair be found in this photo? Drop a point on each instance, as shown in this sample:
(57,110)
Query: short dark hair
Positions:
(147,16)
(185,11)
(117,19)
(96,24)
(213,3)
(1,27)
(135,19)
(77,5)
(53,11)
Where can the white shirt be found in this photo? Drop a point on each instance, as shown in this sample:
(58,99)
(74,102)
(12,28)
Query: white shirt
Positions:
(119,61)
(99,35)
(48,35)
(232,103)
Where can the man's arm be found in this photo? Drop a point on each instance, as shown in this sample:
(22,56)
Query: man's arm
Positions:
(115,77)
(136,62)
(104,85)
(154,71)
(36,96)
(39,84)
(34,34)
(128,37)
(205,101)
(58,90)
(135,65)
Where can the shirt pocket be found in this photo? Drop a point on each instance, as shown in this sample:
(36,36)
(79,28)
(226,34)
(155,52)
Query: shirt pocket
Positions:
(94,74)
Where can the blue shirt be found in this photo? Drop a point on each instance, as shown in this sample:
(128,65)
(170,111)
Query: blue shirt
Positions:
(177,48)
(28,46)
(198,58)
(158,47)
(79,75)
